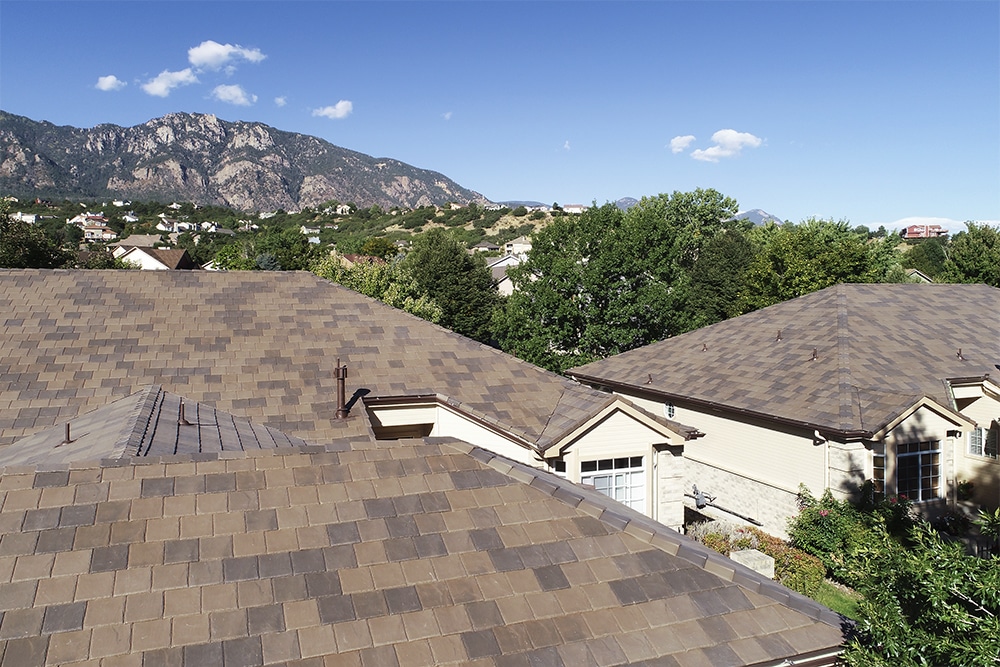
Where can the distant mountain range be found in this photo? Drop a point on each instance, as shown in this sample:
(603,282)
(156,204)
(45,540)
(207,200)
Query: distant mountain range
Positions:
(758,217)
(202,159)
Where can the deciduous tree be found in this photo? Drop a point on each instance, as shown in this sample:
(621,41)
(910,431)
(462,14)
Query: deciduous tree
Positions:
(974,256)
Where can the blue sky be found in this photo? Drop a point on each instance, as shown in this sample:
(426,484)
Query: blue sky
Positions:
(871,112)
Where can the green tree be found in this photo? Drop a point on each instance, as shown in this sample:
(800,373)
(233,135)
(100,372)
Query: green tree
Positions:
(385,281)
(235,257)
(927,604)
(608,281)
(974,256)
(25,246)
(927,256)
(458,282)
(381,247)
(792,260)
(717,278)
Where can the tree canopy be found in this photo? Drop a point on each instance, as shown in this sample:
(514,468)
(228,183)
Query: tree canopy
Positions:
(974,256)
(25,246)
(459,283)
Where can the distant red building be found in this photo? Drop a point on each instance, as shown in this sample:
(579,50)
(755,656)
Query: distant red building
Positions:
(924,232)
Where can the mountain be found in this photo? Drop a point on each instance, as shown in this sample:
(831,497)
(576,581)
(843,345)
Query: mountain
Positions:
(202,159)
(758,217)
(625,203)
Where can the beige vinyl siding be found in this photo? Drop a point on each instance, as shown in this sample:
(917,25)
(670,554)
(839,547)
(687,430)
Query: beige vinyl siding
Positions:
(619,435)
(983,471)
(922,426)
(767,453)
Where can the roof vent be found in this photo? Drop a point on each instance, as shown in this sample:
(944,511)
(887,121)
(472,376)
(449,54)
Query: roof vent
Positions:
(341,391)
(649,378)
(777,339)
(959,355)
(181,420)
(815,355)
(704,347)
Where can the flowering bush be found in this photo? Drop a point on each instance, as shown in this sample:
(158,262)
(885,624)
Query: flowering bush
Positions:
(838,533)
(792,567)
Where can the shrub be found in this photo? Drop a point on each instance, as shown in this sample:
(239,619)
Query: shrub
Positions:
(793,567)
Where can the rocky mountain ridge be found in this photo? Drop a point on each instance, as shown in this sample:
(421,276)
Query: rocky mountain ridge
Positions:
(202,159)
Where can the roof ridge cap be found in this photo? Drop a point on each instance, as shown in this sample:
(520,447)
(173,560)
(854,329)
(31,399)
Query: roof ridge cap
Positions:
(136,425)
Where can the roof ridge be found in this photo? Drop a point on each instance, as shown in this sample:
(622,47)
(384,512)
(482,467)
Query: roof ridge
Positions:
(136,424)
(845,379)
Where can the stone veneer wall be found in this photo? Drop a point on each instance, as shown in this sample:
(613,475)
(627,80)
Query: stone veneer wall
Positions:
(768,504)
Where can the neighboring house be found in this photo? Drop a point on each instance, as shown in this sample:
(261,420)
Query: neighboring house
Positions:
(99,233)
(309,231)
(896,384)
(29,218)
(484,246)
(130,217)
(924,232)
(140,240)
(498,268)
(519,246)
(918,276)
(574,208)
(155,259)
(162,530)
(351,260)
(263,345)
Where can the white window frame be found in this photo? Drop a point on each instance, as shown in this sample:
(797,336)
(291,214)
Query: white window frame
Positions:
(621,478)
(983,442)
(927,469)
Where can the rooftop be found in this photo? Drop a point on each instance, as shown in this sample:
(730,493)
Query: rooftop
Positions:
(848,358)
(412,553)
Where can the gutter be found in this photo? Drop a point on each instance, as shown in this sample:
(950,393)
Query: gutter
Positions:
(712,405)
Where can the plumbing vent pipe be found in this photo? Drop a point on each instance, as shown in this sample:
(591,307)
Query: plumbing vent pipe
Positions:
(341,391)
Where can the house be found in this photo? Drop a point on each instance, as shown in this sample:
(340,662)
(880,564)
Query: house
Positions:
(130,217)
(264,346)
(160,530)
(29,218)
(519,246)
(896,384)
(350,260)
(99,233)
(309,231)
(139,240)
(484,246)
(574,208)
(155,259)
(924,232)
(498,268)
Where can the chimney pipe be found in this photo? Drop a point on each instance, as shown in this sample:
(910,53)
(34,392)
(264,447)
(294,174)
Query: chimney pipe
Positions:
(341,391)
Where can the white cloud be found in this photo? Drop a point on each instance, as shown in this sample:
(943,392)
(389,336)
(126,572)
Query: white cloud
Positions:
(678,144)
(280,101)
(109,82)
(728,143)
(214,56)
(566,146)
(166,81)
(233,94)
(341,109)
(446,115)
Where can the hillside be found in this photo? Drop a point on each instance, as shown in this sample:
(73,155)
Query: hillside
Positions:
(201,159)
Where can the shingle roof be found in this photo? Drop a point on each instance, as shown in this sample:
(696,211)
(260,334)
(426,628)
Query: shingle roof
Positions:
(416,553)
(150,422)
(878,348)
(257,345)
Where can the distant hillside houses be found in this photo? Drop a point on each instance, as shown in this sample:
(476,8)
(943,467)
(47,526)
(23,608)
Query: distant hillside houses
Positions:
(924,232)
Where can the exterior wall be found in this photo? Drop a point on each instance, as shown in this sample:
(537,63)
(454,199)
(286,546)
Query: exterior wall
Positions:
(754,468)
(982,407)
(446,423)
(145,262)
(925,424)
(620,435)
